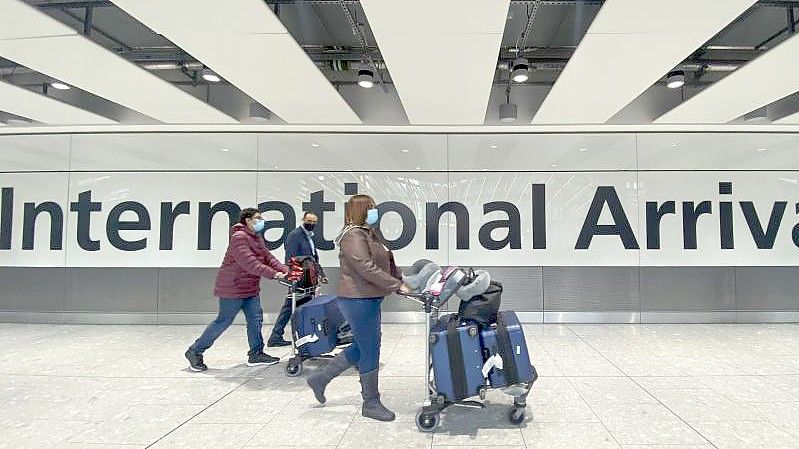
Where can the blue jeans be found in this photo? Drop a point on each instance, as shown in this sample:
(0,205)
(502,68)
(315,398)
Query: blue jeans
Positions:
(363,314)
(228,309)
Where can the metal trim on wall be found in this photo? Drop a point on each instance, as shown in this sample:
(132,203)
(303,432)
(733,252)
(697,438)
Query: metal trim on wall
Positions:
(689,317)
(592,317)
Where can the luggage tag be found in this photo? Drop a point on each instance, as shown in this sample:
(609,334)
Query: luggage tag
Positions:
(307,339)
(495,361)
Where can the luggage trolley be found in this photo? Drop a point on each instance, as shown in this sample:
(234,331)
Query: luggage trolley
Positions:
(428,417)
(298,353)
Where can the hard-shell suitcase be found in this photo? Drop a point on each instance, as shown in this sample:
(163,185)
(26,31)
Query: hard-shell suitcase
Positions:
(315,325)
(507,360)
(457,358)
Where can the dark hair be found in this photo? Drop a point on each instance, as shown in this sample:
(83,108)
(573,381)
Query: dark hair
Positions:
(247,213)
(307,212)
(356,208)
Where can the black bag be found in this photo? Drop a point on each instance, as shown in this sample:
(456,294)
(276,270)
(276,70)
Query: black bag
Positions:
(305,270)
(482,309)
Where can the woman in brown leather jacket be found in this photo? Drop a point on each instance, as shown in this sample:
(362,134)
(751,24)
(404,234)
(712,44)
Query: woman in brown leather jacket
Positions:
(368,274)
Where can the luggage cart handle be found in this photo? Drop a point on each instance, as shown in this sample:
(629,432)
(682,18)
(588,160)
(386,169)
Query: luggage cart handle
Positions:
(293,288)
(425,299)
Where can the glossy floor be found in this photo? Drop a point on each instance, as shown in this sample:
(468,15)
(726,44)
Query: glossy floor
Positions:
(601,386)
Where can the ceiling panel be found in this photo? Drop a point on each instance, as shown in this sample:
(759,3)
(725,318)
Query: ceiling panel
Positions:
(267,64)
(17,21)
(74,59)
(630,45)
(442,55)
(758,83)
(35,106)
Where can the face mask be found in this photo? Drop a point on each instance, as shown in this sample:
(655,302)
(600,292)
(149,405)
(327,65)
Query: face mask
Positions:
(371,216)
(259,226)
(309,226)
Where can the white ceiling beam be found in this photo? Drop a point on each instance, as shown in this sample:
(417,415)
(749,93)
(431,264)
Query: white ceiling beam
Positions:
(441,55)
(41,43)
(630,45)
(41,108)
(245,43)
(756,84)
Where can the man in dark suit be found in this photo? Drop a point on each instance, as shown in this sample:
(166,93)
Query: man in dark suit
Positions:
(299,243)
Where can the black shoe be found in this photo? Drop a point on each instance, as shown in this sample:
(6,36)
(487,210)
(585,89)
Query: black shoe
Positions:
(195,361)
(277,342)
(261,359)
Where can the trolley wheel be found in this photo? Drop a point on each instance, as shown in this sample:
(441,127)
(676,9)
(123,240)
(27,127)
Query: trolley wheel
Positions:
(294,367)
(426,421)
(516,415)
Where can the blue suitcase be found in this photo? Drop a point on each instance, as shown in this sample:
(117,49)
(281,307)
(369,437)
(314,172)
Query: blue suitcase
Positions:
(457,358)
(315,325)
(504,346)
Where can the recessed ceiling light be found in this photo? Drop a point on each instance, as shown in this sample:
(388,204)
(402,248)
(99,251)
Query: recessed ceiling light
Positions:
(494,147)
(210,76)
(485,169)
(554,165)
(315,145)
(320,177)
(675,79)
(405,150)
(762,149)
(366,78)
(59,85)
(674,144)
(418,168)
(583,149)
(224,150)
(520,70)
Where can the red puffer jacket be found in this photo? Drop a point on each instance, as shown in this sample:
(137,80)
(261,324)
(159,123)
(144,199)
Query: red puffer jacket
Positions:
(245,262)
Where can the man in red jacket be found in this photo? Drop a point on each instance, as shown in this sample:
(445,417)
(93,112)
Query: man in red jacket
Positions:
(237,285)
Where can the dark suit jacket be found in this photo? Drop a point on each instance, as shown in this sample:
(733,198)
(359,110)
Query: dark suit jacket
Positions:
(297,244)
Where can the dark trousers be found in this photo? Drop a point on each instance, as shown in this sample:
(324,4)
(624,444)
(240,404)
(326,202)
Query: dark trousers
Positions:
(282,320)
(228,309)
(363,314)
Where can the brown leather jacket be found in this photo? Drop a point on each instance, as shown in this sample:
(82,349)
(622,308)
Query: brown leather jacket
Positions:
(366,264)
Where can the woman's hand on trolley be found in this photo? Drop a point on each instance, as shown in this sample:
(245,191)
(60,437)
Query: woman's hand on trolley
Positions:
(279,275)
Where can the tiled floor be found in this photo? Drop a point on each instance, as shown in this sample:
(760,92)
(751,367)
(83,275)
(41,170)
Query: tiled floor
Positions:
(601,386)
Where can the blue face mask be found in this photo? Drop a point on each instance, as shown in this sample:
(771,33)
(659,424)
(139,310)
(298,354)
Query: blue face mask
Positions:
(259,226)
(372,216)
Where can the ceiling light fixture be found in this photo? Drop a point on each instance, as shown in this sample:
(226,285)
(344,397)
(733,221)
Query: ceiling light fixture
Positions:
(366,78)
(521,70)
(258,112)
(508,112)
(59,85)
(210,76)
(675,79)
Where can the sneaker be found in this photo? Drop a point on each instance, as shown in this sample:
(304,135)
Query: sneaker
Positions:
(195,361)
(260,359)
(277,342)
